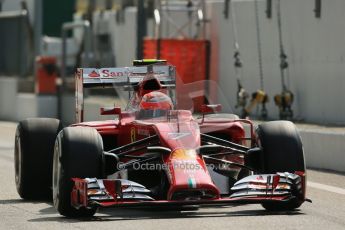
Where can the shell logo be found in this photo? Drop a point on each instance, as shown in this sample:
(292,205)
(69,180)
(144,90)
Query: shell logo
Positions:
(184,154)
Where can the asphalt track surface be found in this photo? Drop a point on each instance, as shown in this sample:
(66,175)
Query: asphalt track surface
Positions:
(327,190)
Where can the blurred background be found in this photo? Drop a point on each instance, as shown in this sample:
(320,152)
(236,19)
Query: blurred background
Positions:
(272,59)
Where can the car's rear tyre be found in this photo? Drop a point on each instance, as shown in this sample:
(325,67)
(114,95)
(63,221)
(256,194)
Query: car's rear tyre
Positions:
(33,156)
(78,154)
(282,152)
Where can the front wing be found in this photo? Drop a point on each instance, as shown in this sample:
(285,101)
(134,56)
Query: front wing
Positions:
(264,188)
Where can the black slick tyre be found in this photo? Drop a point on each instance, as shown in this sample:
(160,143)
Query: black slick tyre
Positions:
(78,154)
(282,152)
(33,156)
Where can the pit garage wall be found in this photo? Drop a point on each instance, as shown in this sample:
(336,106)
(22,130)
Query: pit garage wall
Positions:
(315,49)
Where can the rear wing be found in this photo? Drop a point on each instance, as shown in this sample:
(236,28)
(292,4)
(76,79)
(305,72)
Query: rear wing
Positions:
(117,77)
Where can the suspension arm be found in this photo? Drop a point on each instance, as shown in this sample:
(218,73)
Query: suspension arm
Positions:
(135,146)
(216,149)
(112,160)
(218,141)
(130,164)
(209,159)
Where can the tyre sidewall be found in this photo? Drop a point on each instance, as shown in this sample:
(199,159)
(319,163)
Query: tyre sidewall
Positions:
(78,154)
(282,152)
(33,155)
(281,146)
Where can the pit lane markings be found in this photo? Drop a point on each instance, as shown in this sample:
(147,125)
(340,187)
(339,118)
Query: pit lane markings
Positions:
(324,187)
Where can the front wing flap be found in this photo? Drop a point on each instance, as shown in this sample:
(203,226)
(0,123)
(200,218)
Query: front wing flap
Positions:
(280,187)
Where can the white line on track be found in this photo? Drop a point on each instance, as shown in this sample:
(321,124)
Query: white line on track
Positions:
(324,187)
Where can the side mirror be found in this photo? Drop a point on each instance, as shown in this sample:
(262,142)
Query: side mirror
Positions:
(110,111)
(211,108)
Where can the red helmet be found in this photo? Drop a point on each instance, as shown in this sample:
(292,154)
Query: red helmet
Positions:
(156,100)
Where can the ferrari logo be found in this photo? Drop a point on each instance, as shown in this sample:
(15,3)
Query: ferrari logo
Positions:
(133,135)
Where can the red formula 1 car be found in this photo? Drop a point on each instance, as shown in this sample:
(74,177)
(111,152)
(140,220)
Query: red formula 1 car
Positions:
(153,154)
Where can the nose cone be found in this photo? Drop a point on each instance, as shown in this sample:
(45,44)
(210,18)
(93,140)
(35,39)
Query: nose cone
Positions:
(189,177)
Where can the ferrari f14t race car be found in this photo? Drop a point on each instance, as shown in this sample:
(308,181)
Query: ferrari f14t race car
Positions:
(153,154)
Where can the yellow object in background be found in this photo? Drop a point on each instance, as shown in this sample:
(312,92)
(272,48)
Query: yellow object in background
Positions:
(259,97)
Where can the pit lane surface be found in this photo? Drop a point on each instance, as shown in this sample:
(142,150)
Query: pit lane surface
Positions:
(327,190)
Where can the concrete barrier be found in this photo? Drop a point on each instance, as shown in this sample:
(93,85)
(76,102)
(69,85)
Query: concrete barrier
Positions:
(8,96)
(32,105)
(324,148)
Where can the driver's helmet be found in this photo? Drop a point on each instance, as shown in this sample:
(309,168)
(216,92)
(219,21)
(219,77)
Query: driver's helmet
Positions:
(156,101)
(154,105)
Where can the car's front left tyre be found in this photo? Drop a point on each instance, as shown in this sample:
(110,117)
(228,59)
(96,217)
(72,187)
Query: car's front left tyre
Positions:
(282,152)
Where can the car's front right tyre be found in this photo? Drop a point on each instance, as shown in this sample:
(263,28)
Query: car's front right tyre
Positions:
(78,153)
(33,156)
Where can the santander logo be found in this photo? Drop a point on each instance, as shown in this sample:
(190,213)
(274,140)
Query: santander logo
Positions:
(94,74)
(108,73)
(105,73)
